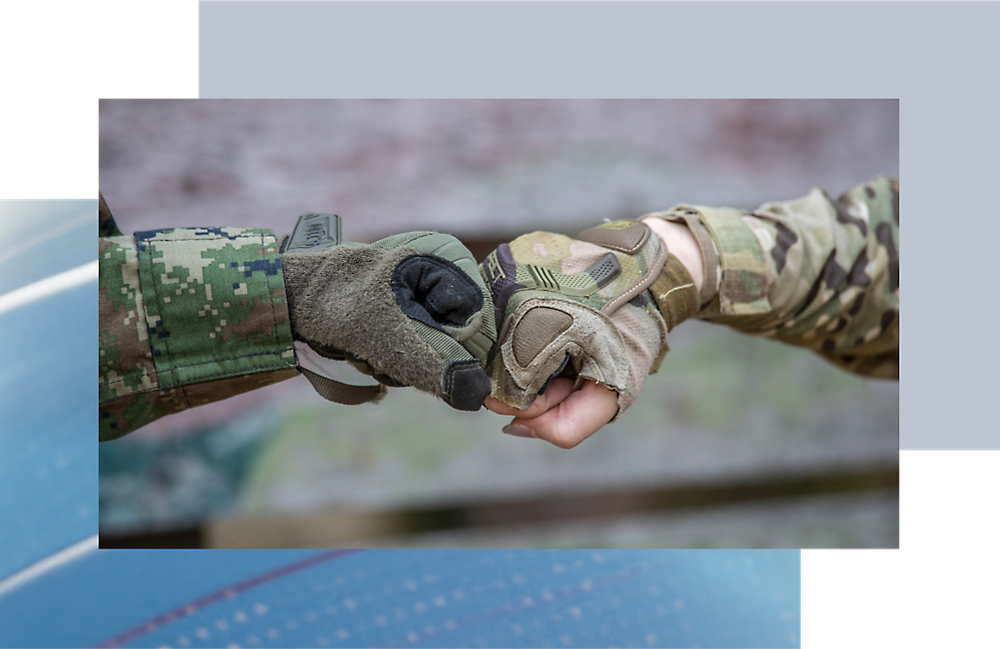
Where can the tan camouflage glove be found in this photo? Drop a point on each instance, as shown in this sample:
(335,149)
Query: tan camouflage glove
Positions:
(596,307)
(410,310)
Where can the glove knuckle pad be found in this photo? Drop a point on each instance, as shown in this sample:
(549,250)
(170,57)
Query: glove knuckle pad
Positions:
(624,236)
(536,330)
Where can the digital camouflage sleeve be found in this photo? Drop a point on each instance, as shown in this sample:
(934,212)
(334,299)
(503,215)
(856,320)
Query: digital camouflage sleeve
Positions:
(187,317)
(813,272)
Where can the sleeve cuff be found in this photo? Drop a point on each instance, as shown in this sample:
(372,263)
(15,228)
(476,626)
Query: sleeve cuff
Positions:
(733,257)
(215,303)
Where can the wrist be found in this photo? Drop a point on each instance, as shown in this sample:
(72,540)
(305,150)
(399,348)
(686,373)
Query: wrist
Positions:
(681,244)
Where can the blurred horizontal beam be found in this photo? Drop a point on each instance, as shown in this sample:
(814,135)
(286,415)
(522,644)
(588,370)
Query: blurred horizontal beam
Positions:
(342,528)
(179,538)
(482,247)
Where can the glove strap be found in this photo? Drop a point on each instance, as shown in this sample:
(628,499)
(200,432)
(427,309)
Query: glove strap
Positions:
(316,368)
(675,293)
(337,392)
(709,254)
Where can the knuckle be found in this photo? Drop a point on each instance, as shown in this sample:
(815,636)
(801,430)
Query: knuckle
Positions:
(565,439)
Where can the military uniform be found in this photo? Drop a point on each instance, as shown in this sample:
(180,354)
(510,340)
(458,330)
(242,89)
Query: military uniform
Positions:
(188,316)
(194,315)
(813,272)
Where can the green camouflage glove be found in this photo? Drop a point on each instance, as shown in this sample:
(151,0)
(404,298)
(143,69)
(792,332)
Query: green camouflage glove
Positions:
(596,307)
(410,310)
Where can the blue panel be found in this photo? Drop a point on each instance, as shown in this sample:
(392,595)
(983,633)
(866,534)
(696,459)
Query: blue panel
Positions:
(48,450)
(432,598)
(43,238)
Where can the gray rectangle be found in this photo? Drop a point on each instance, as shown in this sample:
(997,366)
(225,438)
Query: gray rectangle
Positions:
(942,61)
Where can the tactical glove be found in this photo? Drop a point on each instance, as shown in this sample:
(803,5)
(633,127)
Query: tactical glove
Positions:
(596,307)
(410,310)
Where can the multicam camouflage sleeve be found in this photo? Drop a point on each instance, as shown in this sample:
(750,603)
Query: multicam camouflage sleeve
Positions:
(187,317)
(813,272)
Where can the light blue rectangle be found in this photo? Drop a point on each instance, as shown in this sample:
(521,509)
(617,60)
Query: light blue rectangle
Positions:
(48,440)
(411,598)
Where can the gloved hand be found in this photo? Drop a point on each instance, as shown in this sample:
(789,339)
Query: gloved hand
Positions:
(597,307)
(410,310)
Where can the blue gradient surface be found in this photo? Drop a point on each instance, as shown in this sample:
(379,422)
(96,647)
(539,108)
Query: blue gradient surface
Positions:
(420,598)
(48,454)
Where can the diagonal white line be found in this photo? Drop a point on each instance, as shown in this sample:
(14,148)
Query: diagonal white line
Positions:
(57,231)
(49,286)
(35,570)
(676,288)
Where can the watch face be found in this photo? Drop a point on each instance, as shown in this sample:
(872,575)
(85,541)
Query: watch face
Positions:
(423,598)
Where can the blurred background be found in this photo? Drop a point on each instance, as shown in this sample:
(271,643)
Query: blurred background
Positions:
(736,442)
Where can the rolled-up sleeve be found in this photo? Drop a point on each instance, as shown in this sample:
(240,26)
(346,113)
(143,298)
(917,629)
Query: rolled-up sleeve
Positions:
(814,272)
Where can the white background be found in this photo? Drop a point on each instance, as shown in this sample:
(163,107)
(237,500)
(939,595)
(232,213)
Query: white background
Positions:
(939,589)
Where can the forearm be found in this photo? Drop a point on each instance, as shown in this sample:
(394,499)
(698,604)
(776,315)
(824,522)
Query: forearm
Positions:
(188,317)
(811,272)
(682,244)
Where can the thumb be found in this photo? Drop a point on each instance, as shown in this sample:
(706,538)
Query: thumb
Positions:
(580,415)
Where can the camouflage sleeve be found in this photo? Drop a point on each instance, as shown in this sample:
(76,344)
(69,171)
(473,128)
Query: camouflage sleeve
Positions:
(106,225)
(187,317)
(813,272)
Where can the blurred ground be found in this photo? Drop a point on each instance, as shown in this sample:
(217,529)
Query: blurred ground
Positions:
(855,521)
(724,407)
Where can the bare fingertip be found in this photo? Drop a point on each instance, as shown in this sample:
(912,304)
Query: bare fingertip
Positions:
(517,430)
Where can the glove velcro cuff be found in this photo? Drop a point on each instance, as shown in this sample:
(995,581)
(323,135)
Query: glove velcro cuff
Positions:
(675,293)
(706,244)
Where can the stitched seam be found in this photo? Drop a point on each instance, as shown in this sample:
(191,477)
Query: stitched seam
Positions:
(211,238)
(166,344)
(451,376)
(449,382)
(270,297)
(159,307)
(222,360)
(652,273)
(214,378)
